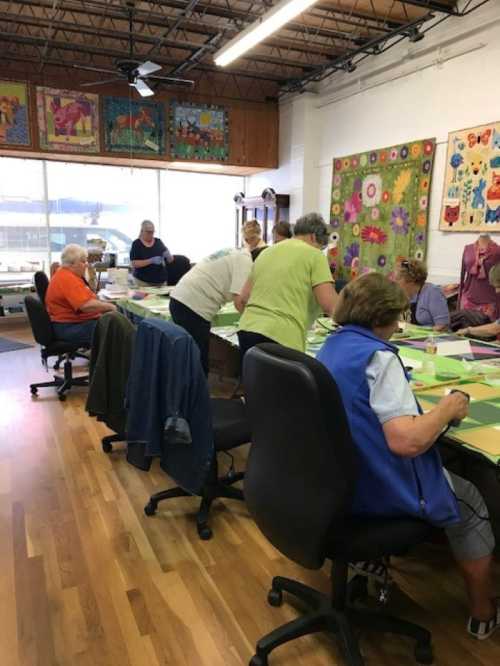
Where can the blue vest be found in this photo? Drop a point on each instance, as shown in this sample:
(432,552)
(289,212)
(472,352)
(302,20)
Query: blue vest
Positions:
(388,485)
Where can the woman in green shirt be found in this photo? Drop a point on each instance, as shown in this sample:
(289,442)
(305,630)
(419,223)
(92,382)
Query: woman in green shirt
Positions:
(289,286)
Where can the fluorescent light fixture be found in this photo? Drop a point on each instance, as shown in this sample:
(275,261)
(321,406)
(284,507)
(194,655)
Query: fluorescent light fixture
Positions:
(271,21)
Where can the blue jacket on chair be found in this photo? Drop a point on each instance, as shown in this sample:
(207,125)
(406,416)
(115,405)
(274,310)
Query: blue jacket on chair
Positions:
(388,485)
(167,380)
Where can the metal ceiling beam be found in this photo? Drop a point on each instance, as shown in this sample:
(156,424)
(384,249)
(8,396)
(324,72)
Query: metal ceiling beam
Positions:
(90,30)
(338,64)
(249,17)
(95,51)
(345,14)
(199,49)
(432,6)
(157,20)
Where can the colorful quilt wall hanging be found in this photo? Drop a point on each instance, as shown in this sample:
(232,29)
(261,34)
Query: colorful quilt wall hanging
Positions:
(198,132)
(471,196)
(14,114)
(379,209)
(68,120)
(132,126)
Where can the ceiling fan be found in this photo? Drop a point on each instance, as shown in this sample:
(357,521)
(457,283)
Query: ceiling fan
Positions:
(137,74)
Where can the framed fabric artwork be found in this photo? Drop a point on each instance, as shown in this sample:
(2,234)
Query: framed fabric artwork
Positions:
(133,126)
(14,114)
(471,196)
(199,132)
(68,120)
(379,208)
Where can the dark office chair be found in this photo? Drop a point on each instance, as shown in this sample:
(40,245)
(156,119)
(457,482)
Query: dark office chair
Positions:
(177,269)
(43,333)
(231,429)
(298,487)
(41,284)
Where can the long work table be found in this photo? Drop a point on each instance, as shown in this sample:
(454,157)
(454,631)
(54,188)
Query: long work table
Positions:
(432,374)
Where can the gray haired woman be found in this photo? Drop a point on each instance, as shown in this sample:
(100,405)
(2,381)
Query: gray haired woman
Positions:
(289,286)
(148,256)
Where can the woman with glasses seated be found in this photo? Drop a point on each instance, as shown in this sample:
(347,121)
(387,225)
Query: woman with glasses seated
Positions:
(148,256)
(289,286)
(72,306)
(400,473)
(428,304)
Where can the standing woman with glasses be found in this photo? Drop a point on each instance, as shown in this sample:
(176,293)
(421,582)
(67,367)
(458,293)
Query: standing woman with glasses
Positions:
(428,304)
(148,256)
(289,286)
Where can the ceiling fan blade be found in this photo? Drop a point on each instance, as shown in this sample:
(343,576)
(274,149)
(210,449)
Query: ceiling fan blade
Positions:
(173,80)
(142,88)
(94,69)
(90,84)
(148,67)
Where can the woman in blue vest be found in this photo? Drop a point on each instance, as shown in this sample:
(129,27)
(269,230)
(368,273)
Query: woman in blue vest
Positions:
(401,473)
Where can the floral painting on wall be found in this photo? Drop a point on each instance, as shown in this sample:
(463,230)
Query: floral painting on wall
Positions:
(14,120)
(199,132)
(471,197)
(133,126)
(379,208)
(68,120)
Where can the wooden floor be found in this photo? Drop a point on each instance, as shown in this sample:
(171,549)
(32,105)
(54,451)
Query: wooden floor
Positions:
(87,579)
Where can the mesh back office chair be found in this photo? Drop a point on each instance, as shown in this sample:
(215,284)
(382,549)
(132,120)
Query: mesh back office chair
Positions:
(177,269)
(42,330)
(298,487)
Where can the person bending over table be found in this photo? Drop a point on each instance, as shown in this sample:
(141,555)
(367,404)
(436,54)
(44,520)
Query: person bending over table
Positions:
(486,330)
(148,256)
(400,470)
(281,231)
(428,304)
(290,285)
(201,292)
(72,306)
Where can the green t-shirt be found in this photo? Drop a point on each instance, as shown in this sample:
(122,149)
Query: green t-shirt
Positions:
(282,305)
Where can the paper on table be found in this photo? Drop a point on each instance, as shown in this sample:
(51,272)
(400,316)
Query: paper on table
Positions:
(453,348)
(484,439)
(411,362)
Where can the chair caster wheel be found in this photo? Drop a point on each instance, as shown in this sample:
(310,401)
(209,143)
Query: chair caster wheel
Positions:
(107,447)
(204,532)
(34,391)
(62,397)
(275,597)
(150,509)
(423,653)
(258,661)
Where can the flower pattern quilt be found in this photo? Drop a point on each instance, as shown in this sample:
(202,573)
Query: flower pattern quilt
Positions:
(379,208)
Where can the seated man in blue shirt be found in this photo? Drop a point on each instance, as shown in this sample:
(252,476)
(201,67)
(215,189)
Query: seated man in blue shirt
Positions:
(428,304)
(400,470)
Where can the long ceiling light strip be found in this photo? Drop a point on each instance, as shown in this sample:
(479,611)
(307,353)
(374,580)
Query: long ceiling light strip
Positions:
(271,21)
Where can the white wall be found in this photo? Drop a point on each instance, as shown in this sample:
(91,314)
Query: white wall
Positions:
(446,82)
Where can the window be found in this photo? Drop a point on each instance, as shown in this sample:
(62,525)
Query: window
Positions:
(198,212)
(88,201)
(96,201)
(23,224)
